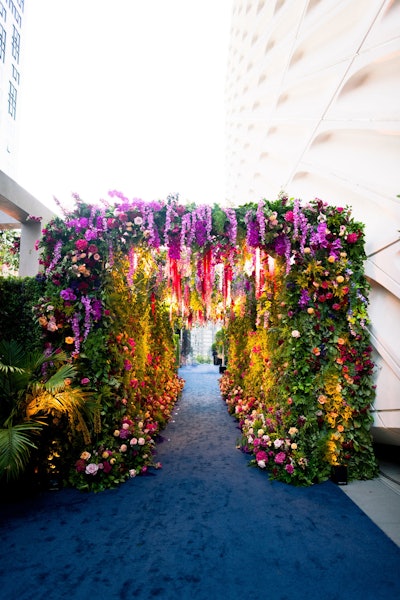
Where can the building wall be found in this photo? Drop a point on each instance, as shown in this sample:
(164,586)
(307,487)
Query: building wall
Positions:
(313,108)
(11,19)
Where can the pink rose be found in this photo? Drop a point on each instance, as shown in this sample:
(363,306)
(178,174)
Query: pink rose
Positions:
(91,469)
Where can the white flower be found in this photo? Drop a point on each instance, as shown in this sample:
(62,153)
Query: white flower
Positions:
(278,443)
(138,220)
(261,464)
(132,472)
(295,333)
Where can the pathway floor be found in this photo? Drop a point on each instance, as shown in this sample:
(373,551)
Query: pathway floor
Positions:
(204,527)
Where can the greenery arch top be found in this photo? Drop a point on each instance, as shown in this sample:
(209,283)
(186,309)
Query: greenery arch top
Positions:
(285,279)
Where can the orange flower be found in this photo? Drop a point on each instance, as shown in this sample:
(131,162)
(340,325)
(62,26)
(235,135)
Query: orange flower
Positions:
(340,428)
(341,341)
(69,340)
(316,351)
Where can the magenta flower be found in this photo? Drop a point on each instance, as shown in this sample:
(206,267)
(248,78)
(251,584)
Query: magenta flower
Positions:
(261,455)
(81,245)
(280,458)
(352,238)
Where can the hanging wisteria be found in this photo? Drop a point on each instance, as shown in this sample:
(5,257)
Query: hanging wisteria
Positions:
(285,279)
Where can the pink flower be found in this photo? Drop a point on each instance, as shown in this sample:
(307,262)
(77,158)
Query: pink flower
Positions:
(85,381)
(289,469)
(123,448)
(261,455)
(289,216)
(280,458)
(91,469)
(81,245)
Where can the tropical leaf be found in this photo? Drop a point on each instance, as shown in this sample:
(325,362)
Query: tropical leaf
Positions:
(16,445)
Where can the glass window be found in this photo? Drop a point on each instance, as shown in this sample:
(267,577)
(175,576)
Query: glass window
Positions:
(15,74)
(12,101)
(15,12)
(3,12)
(2,43)
(16,42)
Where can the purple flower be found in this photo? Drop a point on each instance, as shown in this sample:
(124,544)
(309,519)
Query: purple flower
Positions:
(200,233)
(280,245)
(67,294)
(304,298)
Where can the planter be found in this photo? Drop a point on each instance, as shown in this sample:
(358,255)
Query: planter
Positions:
(339,474)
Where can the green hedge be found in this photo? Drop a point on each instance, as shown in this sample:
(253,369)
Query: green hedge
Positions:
(17,297)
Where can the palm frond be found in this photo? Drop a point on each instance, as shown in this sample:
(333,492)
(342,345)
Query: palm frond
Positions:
(56,382)
(12,353)
(16,445)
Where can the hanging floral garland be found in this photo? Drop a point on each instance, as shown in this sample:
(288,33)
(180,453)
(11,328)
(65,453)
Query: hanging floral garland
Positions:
(289,277)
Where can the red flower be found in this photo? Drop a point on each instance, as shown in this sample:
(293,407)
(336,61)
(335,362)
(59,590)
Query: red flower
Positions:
(352,238)
(80,465)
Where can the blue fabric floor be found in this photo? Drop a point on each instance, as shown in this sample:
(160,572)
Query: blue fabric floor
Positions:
(204,527)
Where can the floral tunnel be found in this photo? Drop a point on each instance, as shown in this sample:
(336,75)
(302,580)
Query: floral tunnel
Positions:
(286,281)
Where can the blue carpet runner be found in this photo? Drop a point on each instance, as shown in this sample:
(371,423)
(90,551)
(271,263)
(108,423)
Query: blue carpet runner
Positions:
(204,527)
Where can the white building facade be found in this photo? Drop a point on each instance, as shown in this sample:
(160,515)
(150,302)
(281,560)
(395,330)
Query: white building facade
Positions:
(11,19)
(313,109)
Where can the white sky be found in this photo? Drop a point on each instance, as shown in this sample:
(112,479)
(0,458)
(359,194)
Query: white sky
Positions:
(126,95)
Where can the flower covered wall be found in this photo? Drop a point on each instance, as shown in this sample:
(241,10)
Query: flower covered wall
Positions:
(286,280)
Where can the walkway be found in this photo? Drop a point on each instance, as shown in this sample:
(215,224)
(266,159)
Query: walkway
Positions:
(205,527)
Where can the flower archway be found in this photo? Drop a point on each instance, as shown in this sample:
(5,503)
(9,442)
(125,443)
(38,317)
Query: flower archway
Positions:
(285,279)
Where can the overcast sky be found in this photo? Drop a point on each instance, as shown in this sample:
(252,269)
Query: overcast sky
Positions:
(125,95)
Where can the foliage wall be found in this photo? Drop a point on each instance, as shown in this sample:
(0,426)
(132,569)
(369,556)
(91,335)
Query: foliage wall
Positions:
(17,298)
(286,279)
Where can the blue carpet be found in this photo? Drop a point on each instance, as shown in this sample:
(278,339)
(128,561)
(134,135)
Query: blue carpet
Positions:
(205,527)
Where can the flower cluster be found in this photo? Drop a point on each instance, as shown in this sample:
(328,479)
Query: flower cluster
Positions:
(287,278)
(129,454)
